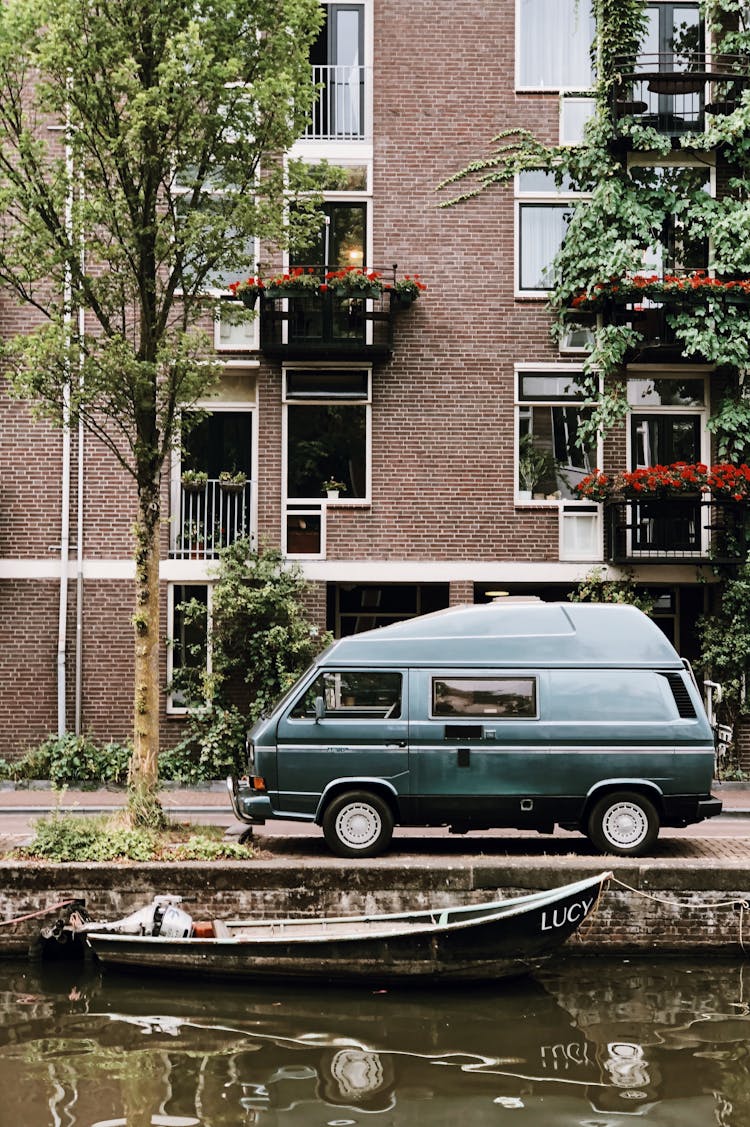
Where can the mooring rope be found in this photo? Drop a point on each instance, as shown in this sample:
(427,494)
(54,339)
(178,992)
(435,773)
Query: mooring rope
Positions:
(738,902)
(41,912)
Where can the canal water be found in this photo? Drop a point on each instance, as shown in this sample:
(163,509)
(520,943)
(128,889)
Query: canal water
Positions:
(585,1043)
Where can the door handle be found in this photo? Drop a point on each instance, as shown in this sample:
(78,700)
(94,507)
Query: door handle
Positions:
(399,743)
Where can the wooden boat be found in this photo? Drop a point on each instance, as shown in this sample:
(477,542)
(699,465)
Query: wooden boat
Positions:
(476,941)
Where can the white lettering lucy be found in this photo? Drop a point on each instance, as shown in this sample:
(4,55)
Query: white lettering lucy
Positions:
(573,914)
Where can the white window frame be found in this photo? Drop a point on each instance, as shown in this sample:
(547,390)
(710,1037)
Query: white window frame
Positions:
(174,709)
(683,159)
(536,197)
(697,372)
(572,371)
(330,147)
(574,98)
(534,88)
(214,406)
(320,505)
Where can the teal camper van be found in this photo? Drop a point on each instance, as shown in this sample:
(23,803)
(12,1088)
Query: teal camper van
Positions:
(509,714)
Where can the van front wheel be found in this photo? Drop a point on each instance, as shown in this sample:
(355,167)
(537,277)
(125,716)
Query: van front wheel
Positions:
(624,823)
(358,824)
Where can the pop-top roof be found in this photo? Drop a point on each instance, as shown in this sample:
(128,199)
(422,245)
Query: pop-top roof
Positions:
(514,634)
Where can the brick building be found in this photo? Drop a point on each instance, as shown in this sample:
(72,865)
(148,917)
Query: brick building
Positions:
(425,413)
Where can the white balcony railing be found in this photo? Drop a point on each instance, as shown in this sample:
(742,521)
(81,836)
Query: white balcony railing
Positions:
(211,518)
(339,112)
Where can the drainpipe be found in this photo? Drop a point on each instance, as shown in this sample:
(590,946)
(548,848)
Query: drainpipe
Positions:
(62,622)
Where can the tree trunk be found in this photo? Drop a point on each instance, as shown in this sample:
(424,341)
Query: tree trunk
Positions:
(143,801)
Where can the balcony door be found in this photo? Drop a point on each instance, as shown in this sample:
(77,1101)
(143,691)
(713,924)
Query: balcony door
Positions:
(340,242)
(673,37)
(214,514)
(337,59)
(665,526)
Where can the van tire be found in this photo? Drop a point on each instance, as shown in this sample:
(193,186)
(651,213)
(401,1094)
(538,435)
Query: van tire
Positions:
(358,824)
(624,823)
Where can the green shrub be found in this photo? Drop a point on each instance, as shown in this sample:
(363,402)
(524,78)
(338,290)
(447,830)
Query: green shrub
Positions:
(72,837)
(74,759)
(63,836)
(212,748)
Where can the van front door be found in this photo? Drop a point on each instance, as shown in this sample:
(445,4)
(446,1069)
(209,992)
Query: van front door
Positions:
(348,724)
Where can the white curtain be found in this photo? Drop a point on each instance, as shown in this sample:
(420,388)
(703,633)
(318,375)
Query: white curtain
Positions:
(555,41)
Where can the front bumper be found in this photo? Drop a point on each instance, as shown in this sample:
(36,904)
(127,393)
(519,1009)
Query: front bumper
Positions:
(248,805)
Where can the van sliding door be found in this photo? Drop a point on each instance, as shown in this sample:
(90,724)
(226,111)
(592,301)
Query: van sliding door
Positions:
(475,745)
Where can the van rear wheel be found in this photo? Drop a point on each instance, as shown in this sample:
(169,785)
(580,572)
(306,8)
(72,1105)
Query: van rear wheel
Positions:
(624,823)
(358,824)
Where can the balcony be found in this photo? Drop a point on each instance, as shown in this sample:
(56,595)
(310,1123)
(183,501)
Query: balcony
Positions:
(325,326)
(210,518)
(675,530)
(339,113)
(673,92)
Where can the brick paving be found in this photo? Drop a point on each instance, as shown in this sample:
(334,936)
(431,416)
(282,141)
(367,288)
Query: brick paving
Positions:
(724,840)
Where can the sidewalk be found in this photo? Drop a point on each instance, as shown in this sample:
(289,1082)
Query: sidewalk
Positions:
(39,797)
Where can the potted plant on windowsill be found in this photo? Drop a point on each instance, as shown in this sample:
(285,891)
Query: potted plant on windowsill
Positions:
(333,488)
(194,481)
(232,482)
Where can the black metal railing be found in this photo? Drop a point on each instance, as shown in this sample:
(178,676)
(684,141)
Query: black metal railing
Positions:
(328,320)
(673,91)
(672,529)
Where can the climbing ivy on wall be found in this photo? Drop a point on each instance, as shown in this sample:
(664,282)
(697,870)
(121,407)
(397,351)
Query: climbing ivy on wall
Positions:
(628,209)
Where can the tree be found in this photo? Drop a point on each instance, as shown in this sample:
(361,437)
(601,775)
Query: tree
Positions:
(113,229)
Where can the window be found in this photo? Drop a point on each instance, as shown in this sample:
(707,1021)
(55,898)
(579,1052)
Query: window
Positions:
(352,694)
(677,248)
(575,113)
(543,214)
(484,696)
(341,241)
(553,44)
(189,651)
(327,432)
(356,607)
(211,513)
(337,58)
(550,460)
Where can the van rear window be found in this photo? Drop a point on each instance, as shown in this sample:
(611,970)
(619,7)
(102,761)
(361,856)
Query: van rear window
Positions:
(484,696)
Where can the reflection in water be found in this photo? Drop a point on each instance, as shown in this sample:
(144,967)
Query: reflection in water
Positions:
(588,1043)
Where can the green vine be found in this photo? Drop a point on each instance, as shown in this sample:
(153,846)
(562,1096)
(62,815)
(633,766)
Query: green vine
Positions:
(630,209)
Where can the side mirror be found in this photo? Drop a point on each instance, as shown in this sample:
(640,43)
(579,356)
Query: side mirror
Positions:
(320,708)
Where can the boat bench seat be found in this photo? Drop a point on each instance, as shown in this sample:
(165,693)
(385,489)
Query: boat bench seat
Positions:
(221,931)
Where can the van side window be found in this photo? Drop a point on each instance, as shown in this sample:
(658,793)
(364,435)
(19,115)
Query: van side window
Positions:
(484,696)
(351,693)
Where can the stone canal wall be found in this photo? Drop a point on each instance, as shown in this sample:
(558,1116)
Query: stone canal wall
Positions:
(651,908)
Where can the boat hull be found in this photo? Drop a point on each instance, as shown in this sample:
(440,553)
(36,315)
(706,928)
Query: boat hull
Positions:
(468,943)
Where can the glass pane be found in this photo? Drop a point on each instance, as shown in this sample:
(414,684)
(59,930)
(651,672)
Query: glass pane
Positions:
(543,228)
(326,442)
(349,694)
(464,696)
(534,180)
(320,382)
(666,393)
(303,532)
(221,440)
(550,461)
(539,386)
(189,643)
(340,241)
(574,115)
(555,42)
